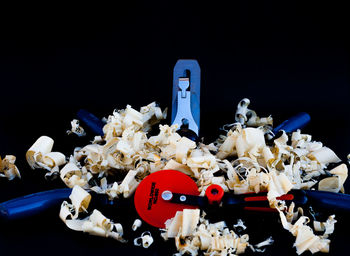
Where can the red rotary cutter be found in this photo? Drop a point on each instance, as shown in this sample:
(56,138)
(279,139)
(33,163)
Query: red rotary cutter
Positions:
(161,194)
(150,193)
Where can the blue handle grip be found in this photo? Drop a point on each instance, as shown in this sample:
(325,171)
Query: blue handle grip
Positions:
(335,202)
(95,124)
(32,204)
(292,124)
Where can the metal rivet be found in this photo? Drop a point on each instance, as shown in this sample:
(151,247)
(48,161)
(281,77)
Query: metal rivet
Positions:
(167,195)
(182,198)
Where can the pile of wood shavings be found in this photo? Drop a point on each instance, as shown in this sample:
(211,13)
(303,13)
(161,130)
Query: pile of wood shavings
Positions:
(241,161)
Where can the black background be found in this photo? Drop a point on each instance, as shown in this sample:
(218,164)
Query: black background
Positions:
(286,58)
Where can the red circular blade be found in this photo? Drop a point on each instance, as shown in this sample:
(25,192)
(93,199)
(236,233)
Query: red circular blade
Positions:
(148,196)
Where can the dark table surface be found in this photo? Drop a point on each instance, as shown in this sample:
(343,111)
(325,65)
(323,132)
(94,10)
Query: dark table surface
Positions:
(286,58)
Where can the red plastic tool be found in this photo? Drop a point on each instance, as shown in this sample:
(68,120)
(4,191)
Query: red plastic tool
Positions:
(148,196)
(161,194)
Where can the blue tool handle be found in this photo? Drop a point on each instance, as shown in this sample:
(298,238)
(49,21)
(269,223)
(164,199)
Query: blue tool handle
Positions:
(32,204)
(94,123)
(335,202)
(292,124)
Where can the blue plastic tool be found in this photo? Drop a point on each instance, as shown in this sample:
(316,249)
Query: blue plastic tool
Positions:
(32,204)
(334,202)
(292,124)
(186,98)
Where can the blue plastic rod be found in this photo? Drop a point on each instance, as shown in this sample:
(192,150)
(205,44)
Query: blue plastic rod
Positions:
(292,124)
(32,204)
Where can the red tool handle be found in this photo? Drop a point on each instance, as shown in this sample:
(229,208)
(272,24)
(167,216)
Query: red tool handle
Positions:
(215,193)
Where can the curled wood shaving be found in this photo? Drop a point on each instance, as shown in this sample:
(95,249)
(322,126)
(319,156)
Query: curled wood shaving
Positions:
(173,165)
(190,219)
(240,224)
(95,224)
(249,142)
(324,155)
(42,146)
(182,149)
(39,155)
(129,184)
(248,116)
(268,241)
(73,175)
(76,128)
(145,240)
(278,186)
(8,168)
(80,200)
(334,183)
(305,238)
(228,147)
(137,223)
(111,190)
(241,112)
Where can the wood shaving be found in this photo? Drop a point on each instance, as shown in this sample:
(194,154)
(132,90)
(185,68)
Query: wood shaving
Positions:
(72,175)
(8,168)
(305,237)
(268,241)
(95,224)
(324,155)
(39,155)
(240,224)
(76,128)
(335,183)
(327,227)
(145,240)
(247,116)
(137,223)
